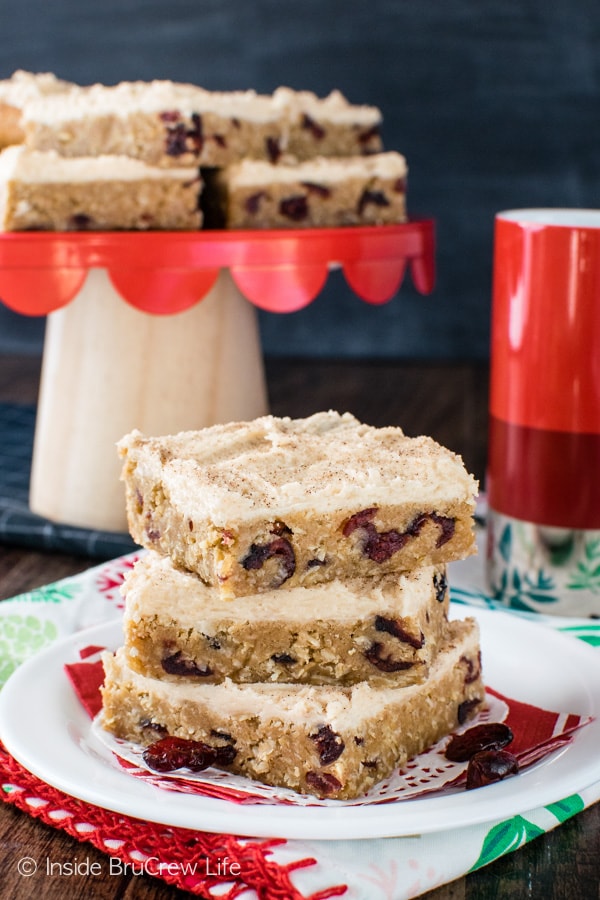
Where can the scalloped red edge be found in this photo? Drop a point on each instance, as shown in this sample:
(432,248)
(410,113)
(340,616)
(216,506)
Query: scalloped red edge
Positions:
(167,272)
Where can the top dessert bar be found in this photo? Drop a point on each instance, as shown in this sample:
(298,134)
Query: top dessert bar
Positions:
(21,88)
(172,124)
(328,126)
(277,503)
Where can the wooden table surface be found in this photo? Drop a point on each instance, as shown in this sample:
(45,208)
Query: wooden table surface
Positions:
(447,401)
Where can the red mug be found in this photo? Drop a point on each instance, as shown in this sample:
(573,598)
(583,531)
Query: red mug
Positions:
(544,423)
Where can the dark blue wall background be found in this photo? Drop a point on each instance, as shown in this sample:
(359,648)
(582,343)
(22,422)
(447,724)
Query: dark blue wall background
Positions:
(493,102)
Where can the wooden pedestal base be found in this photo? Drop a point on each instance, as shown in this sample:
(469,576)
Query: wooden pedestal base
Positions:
(109,368)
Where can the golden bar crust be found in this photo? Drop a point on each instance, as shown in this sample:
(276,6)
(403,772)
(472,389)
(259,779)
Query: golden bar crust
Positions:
(327,741)
(256,506)
(179,629)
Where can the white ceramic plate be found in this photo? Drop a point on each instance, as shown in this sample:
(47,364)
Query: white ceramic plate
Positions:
(43,726)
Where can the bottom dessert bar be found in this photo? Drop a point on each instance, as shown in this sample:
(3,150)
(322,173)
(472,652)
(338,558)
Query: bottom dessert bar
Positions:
(44,191)
(327,741)
(317,193)
(177,628)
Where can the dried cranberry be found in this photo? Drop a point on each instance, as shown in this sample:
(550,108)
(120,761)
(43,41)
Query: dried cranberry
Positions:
(170,115)
(487,736)
(330,745)
(318,189)
(393,627)
(440,586)
(473,669)
(376,198)
(80,222)
(400,185)
(294,208)
(178,664)
(283,659)
(358,520)
(367,136)
(279,548)
(309,124)
(176,140)
(445,524)
(171,753)
(280,528)
(490,766)
(224,735)
(380,546)
(385,663)
(323,783)
(195,133)
(466,709)
(149,725)
(225,755)
(273,149)
(252,203)
(377,546)
(181,139)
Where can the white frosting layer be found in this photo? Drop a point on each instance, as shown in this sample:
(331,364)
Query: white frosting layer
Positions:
(23,86)
(271,467)
(129,97)
(36,167)
(159,96)
(321,170)
(156,588)
(334,108)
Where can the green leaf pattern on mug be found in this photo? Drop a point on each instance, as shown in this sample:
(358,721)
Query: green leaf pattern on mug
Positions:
(586,575)
(521,587)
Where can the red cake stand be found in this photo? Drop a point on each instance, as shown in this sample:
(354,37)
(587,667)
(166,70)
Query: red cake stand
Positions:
(163,361)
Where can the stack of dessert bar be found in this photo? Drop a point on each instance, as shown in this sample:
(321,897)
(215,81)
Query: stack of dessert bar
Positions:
(165,155)
(289,621)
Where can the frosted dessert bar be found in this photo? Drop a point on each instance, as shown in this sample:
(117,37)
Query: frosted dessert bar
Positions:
(160,122)
(321,192)
(328,126)
(44,191)
(172,124)
(334,742)
(18,90)
(179,629)
(277,502)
